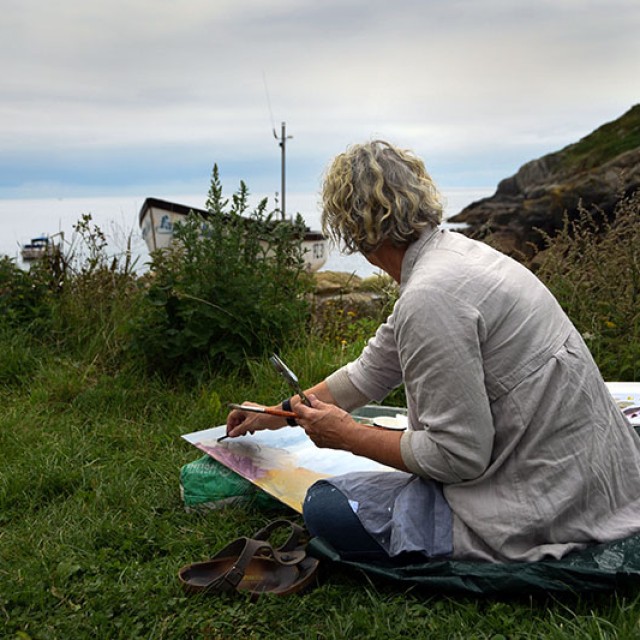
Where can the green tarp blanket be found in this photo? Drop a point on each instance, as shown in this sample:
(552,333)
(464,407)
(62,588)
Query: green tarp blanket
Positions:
(598,568)
(605,567)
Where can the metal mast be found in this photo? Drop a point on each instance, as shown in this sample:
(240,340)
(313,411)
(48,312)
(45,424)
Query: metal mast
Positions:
(282,142)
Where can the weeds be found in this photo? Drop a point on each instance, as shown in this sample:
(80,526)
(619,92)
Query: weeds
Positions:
(593,267)
(24,296)
(350,318)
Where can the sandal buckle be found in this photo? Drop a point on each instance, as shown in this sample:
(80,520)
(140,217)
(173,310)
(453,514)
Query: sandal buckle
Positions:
(234,576)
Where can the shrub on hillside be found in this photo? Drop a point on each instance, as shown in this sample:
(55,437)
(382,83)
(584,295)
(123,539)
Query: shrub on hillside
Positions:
(593,267)
(76,298)
(96,296)
(230,287)
(24,296)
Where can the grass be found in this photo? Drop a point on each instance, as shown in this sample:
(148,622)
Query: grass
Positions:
(93,530)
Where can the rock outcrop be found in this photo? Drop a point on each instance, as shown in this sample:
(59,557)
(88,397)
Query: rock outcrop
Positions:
(345,294)
(594,172)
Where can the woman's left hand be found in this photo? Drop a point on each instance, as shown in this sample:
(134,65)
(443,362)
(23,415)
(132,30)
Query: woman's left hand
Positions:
(328,426)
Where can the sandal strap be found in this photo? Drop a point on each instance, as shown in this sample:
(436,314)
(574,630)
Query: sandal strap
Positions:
(246,549)
(291,543)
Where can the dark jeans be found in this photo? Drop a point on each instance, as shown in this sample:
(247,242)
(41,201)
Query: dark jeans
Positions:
(329,516)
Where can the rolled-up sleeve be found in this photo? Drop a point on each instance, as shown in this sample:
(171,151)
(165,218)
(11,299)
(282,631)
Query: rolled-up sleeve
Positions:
(377,370)
(344,393)
(439,345)
(372,376)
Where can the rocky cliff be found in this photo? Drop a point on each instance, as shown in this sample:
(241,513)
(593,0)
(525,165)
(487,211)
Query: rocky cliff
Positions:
(595,171)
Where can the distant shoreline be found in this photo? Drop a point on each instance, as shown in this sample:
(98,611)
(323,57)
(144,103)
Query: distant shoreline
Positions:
(23,219)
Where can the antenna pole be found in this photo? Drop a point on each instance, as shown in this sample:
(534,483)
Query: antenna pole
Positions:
(283,144)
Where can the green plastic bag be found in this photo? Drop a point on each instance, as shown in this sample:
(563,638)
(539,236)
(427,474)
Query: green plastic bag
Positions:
(599,568)
(207,484)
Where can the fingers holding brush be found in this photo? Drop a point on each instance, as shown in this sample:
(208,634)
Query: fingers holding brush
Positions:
(250,417)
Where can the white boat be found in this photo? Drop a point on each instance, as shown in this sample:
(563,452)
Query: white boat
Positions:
(158,217)
(39,247)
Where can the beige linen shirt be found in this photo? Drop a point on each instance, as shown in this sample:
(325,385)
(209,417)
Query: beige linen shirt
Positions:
(506,405)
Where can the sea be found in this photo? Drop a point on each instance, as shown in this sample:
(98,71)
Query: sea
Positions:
(118,218)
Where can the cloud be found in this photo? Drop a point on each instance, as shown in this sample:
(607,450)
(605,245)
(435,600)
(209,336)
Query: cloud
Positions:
(113,91)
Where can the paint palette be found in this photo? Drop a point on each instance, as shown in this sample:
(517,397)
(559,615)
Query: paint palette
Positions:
(627,396)
(399,422)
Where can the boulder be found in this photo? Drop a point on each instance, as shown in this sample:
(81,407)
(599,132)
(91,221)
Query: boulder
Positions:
(344,297)
(331,283)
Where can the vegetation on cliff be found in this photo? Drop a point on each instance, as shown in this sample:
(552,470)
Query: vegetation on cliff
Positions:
(604,144)
(595,172)
(592,265)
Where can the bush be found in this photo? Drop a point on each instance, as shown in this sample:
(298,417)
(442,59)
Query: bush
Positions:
(593,268)
(94,297)
(231,287)
(24,296)
(76,298)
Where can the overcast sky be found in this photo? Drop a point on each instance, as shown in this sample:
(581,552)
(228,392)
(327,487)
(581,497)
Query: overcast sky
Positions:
(143,96)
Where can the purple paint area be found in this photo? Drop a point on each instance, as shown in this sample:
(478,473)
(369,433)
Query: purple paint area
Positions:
(244,465)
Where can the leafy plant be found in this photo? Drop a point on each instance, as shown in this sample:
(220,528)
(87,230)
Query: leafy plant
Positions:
(24,296)
(230,287)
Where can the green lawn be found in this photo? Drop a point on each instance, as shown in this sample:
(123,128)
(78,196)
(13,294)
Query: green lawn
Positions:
(93,530)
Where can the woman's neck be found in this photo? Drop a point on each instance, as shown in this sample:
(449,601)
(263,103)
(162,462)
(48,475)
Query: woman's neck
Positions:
(388,257)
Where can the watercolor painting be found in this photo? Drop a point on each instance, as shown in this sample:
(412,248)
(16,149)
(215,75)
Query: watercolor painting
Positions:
(285,463)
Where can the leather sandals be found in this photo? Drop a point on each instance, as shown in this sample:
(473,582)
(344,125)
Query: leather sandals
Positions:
(252,565)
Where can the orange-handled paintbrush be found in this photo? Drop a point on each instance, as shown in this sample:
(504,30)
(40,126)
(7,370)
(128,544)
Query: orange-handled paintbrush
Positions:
(268,410)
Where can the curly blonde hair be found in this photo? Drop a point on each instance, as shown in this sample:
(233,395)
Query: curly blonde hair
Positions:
(374,192)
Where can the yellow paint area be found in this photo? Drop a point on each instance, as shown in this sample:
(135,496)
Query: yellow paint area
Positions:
(289,485)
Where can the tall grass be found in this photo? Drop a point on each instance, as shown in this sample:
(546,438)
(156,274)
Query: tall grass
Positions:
(593,267)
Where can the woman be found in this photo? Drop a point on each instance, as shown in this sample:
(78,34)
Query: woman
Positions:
(515,449)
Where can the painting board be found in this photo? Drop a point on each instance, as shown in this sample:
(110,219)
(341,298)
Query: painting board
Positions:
(285,463)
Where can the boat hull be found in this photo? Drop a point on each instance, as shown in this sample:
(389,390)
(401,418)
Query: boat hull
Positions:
(38,249)
(159,217)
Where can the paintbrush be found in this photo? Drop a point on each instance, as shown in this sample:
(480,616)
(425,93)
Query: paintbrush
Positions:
(268,410)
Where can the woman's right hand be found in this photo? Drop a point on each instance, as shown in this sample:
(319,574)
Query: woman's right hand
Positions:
(239,422)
